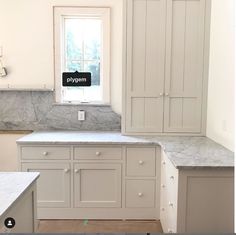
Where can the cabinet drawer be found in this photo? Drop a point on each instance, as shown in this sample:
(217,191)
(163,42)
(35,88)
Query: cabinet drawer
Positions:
(45,152)
(98,152)
(141,162)
(140,193)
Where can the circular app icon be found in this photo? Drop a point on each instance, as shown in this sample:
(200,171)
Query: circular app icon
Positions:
(9,222)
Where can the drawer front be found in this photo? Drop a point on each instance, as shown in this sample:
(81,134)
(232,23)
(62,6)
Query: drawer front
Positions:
(45,152)
(140,193)
(98,152)
(141,162)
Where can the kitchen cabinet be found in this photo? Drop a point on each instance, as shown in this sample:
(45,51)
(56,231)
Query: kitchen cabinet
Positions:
(94,181)
(196,200)
(166,64)
(185,182)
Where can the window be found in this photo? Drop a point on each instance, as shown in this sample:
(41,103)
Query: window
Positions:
(82,43)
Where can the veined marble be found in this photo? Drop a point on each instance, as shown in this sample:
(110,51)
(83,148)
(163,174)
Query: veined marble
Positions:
(12,186)
(35,110)
(184,152)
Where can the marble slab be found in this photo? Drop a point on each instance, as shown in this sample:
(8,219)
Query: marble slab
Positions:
(12,186)
(184,152)
(36,110)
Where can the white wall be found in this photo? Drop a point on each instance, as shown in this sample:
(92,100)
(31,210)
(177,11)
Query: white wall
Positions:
(8,155)
(220,113)
(26,35)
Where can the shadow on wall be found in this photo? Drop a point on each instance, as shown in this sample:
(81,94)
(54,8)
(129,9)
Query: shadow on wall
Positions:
(35,110)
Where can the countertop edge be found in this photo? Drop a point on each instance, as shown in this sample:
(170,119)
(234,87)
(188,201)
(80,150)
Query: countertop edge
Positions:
(21,194)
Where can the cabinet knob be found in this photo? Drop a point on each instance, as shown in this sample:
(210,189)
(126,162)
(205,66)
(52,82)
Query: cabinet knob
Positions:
(45,153)
(140,194)
(163,186)
(98,153)
(171,204)
(76,170)
(66,170)
(140,162)
(172,177)
(163,162)
(161,94)
(163,209)
(166,94)
(170,230)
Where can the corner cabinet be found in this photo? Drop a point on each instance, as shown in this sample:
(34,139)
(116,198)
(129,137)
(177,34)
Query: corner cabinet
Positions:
(196,200)
(165,79)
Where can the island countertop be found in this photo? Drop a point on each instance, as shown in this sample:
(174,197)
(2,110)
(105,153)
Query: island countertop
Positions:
(12,186)
(183,151)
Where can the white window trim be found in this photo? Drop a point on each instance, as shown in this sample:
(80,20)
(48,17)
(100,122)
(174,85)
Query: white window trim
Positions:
(104,14)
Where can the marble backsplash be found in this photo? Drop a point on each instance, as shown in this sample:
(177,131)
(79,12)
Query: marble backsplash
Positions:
(36,110)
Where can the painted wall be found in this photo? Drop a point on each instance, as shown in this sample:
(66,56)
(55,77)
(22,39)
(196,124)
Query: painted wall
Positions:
(27,40)
(8,156)
(220,113)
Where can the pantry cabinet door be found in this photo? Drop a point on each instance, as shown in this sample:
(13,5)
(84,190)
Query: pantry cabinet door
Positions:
(97,185)
(145,65)
(53,185)
(184,65)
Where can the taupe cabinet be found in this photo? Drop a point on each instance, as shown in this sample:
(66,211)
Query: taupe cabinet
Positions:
(95,181)
(196,200)
(128,182)
(166,66)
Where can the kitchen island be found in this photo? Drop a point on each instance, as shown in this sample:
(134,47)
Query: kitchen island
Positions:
(186,182)
(18,201)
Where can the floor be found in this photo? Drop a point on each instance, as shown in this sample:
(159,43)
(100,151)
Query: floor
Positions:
(99,226)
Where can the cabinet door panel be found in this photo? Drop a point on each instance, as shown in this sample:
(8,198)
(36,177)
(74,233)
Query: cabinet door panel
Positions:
(145,65)
(184,65)
(97,185)
(53,185)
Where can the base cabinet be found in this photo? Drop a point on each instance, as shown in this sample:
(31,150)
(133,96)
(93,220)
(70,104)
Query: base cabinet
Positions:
(197,200)
(95,181)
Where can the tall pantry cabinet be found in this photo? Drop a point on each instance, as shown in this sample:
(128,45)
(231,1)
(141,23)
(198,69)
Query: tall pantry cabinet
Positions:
(165,80)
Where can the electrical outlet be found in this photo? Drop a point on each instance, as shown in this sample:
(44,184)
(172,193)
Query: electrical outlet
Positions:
(81,115)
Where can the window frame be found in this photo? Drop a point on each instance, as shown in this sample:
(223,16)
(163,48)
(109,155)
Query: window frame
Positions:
(60,13)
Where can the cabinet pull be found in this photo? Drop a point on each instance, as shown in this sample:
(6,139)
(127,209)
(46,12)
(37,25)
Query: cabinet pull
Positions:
(170,230)
(172,177)
(163,162)
(98,153)
(171,204)
(140,194)
(45,153)
(76,170)
(163,186)
(140,162)
(163,209)
(66,170)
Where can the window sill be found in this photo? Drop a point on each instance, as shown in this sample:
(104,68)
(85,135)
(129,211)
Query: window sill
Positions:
(94,104)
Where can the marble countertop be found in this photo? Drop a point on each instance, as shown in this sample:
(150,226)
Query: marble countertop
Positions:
(12,186)
(184,152)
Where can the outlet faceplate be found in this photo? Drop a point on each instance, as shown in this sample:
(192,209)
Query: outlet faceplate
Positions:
(81,115)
